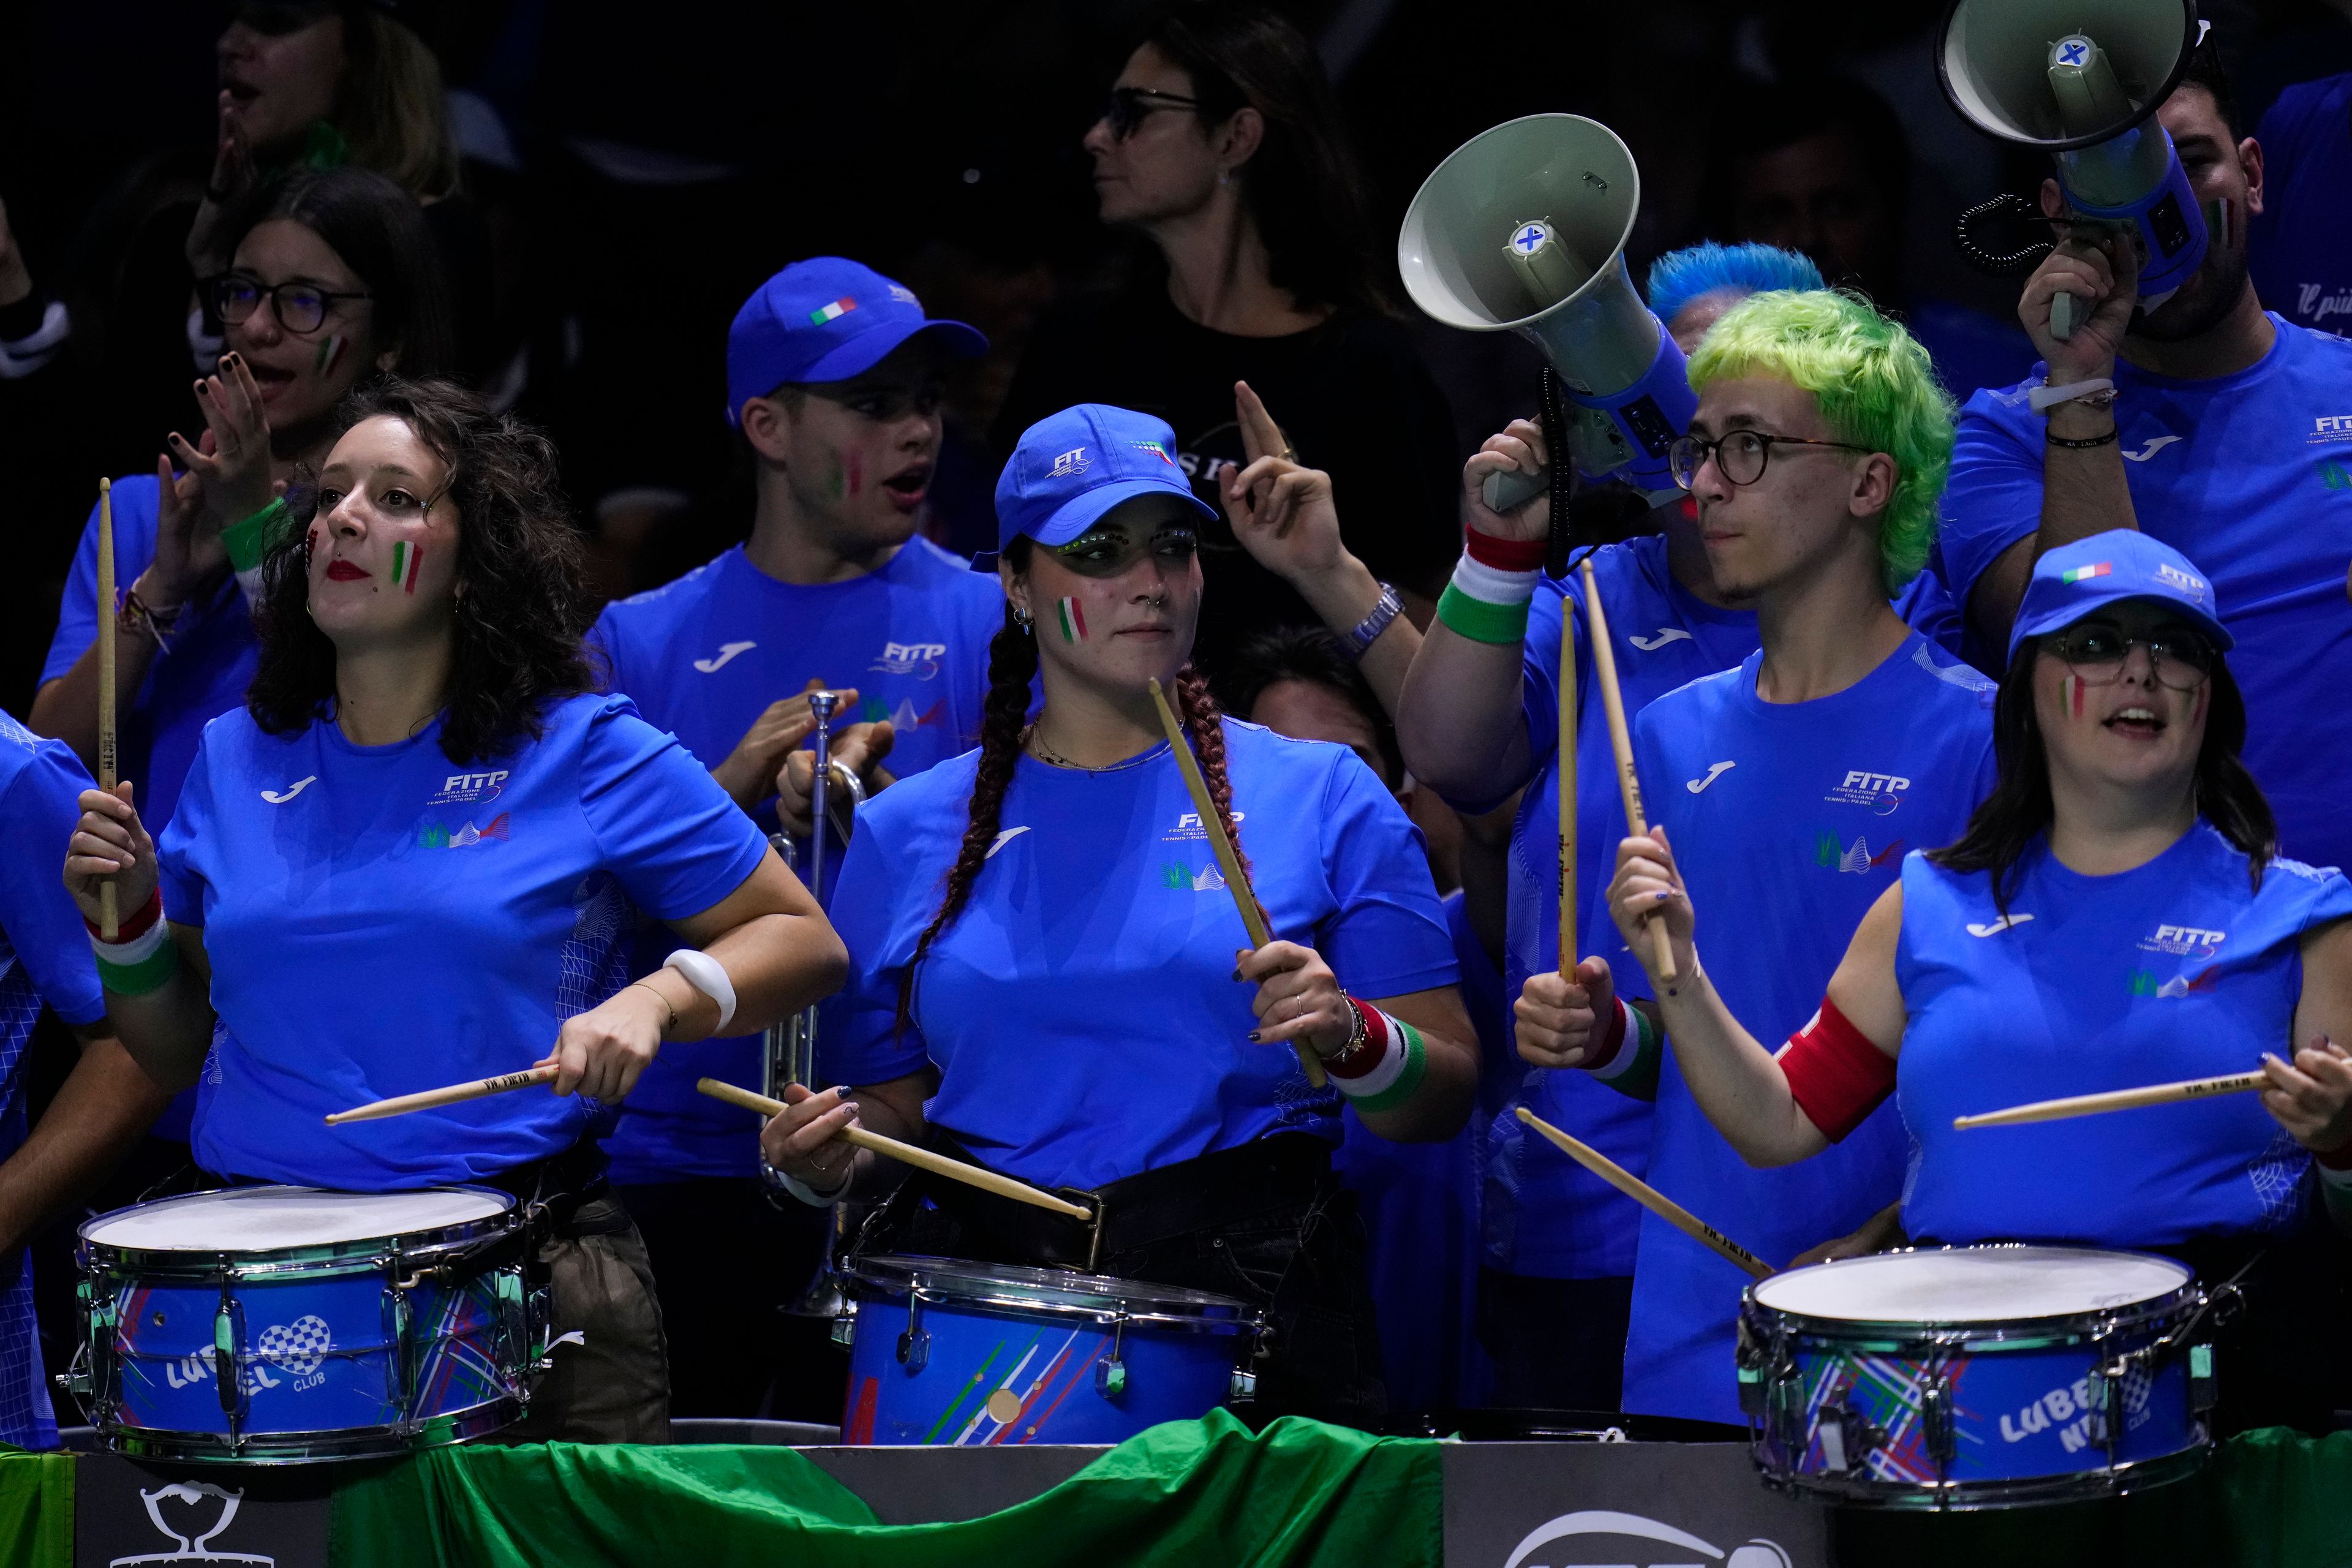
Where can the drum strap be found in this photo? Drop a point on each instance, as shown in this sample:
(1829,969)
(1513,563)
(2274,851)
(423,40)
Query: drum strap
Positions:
(1229,1187)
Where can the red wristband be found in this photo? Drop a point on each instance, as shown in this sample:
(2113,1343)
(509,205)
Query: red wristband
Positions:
(1836,1076)
(1375,1048)
(136,923)
(1506,554)
(1619,1020)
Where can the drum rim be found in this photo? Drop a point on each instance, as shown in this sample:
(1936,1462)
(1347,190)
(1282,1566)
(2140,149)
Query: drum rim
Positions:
(2012,1491)
(311,1260)
(315,1446)
(2091,1321)
(1066,1289)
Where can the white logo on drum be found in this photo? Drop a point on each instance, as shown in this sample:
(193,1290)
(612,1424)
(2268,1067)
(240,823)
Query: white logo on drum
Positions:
(300,1347)
(1758,1554)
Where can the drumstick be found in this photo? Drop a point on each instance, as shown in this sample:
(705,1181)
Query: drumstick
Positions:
(1629,783)
(1648,1196)
(2115,1100)
(1568,889)
(109,913)
(1236,880)
(426,1100)
(938,1165)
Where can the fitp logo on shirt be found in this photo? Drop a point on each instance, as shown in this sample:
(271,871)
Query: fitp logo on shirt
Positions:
(1882,792)
(461,789)
(920,659)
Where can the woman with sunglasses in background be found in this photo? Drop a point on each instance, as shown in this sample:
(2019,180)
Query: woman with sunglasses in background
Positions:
(1047,969)
(1222,147)
(2117,915)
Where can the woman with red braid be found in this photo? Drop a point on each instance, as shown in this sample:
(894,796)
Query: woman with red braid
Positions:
(2117,915)
(1048,975)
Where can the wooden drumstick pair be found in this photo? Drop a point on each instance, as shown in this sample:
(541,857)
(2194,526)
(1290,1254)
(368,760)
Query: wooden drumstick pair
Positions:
(857,1137)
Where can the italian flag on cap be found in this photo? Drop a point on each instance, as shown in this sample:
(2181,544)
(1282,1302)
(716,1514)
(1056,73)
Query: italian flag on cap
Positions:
(2083,573)
(405,557)
(823,313)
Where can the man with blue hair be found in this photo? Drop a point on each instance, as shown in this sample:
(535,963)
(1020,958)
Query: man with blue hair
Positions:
(1816,460)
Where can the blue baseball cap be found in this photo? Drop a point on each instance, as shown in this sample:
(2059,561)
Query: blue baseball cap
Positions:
(2072,580)
(1072,467)
(826,319)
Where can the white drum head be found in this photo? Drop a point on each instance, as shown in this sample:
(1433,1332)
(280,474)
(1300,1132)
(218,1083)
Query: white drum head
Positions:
(264,1219)
(1972,1285)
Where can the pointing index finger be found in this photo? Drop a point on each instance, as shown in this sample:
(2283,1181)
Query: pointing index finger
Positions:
(1261,437)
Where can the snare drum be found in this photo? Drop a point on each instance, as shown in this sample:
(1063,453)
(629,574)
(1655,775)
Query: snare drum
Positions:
(1976,1376)
(951,1352)
(280,1325)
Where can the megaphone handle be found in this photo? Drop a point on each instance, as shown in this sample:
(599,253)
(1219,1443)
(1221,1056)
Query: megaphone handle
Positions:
(1554,430)
(2066,310)
(1511,489)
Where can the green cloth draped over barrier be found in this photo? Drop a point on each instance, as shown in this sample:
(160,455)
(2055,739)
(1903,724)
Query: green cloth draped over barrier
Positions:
(1188,1492)
(37,1510)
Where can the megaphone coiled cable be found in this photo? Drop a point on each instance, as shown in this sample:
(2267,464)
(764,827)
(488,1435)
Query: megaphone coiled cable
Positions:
(2010,207)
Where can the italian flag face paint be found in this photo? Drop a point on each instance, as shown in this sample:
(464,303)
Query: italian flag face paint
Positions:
(2084,573)
(823,313)
(1074,620)
(2072,689)
(405,557)
(329,352)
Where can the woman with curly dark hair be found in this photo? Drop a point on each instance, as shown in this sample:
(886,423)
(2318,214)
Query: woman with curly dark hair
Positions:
(1044,961)
(415,859)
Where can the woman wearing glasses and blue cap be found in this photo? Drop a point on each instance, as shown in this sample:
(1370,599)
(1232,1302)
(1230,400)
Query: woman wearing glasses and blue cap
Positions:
(2115,916)
(1048,972)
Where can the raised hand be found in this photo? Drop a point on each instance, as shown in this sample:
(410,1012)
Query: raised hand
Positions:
(188,550)
(1298,998)
(232,178)
(1281,510)
(1647,886)
(232,461)
(110,841)
(2103,273)
(1562,1018)
(1520,447)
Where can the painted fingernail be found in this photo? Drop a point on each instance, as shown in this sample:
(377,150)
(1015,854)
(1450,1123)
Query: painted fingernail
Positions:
(1237,973)
(1252,1037)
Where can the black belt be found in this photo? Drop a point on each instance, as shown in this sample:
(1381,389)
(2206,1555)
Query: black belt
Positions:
(1228,1187)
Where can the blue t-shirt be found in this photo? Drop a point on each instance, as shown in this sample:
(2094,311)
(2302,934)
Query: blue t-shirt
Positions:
(1787,821)
(2180,969)
(381,920)
(2249,475)
(213,657)
(1081,1009)
(43,957)
(1545,1213)
(2300,245)
(703,658)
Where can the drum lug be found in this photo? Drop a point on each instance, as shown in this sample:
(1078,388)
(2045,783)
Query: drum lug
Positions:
(915,1342)
(1243,1388)
(228,1371)
(1110,1373)
(845,1324)
(1936,1421)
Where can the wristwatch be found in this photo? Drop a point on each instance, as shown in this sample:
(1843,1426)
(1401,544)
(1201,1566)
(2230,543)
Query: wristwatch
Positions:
(1367,630)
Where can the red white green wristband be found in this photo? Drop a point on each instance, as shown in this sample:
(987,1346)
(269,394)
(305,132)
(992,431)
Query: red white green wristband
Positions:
(1492,583)
(1629,1047)
(141,958)
(1386,1070)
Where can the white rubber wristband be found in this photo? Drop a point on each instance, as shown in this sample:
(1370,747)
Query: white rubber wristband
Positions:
(2045,397)
(707,975)
(791,1183)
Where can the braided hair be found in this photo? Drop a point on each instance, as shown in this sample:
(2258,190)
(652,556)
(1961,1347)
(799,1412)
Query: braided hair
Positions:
(1012,666)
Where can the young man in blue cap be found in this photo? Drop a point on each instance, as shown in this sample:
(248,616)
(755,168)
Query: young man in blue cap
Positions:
(833,379)
(2117,915)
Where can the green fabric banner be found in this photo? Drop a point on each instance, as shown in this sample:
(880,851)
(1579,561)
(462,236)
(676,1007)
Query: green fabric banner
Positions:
(1190,1492)
(2289,1497)
(37,1510)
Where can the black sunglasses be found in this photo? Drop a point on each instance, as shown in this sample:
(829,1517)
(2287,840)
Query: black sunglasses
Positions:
(1129,106)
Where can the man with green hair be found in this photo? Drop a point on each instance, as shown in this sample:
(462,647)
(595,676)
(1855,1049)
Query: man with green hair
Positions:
(1790,785)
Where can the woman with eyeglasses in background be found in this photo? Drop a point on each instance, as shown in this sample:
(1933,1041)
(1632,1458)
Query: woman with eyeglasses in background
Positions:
(2116,915)
(1221,145)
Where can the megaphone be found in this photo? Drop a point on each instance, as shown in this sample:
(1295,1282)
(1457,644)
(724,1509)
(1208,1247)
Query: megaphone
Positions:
(1523,229)
(2082,80)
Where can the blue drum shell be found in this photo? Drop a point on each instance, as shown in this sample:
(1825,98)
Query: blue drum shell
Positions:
(1045,1369)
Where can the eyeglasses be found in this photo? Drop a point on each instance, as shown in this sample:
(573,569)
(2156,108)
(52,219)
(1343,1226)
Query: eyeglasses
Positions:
(1740,455)
(300,308)
(1129,106)
(2182,658)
